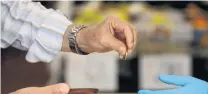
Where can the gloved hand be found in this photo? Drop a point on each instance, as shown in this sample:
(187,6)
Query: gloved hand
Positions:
(189,85)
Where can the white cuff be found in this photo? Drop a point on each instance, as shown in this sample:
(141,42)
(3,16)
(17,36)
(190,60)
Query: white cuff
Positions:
(48,41)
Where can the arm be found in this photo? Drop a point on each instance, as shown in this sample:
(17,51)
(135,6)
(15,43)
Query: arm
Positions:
(44,33)
(30,26)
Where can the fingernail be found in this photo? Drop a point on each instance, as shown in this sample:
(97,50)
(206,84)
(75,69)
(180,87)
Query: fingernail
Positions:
(120,56)
(143,91)
(130,51)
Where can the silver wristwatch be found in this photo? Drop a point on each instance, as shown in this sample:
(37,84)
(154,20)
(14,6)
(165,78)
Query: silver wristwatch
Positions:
(72,39)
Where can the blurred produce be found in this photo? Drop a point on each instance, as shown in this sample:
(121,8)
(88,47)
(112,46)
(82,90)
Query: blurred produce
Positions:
(89,14)
(160,31)
(199,21)
(98,11)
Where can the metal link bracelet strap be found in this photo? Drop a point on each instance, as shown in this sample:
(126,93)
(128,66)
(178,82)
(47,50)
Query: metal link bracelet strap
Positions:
(72,39)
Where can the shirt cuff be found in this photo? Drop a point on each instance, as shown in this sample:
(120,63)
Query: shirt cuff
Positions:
(48,41)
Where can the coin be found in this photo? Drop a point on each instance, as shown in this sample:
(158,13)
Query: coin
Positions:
(83,91)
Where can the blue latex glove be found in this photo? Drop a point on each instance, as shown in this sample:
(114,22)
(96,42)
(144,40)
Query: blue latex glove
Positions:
(189,85)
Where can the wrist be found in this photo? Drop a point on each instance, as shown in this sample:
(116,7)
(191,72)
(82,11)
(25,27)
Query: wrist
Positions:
(65,43)
(82,40)
(74,40)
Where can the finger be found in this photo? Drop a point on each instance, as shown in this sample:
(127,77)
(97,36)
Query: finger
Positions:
(115,44)
(60,88)
(172,91)
(176,80)
(123,27)
(28,90)
(135,37)
(127,31)
(134,41)
(120,36)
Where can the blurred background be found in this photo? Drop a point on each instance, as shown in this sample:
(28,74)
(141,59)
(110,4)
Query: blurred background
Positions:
(172,39)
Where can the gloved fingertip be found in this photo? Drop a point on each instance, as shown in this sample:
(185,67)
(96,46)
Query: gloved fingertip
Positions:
(143,91)
(163,76)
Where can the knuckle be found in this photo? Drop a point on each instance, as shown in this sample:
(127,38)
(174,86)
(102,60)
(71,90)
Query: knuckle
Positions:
(121,49)
(100,36)
(102,40)
(128,27)
(63,88)
(22,91)
(110,18)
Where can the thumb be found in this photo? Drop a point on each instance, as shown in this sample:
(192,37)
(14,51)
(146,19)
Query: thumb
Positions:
(170,91)
(60,88)
(176,80)
(117,45)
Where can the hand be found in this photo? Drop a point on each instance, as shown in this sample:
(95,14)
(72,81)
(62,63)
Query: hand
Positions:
(61,88)
(111,34)
(189,85)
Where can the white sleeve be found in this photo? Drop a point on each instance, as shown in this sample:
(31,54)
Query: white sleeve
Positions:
(29,26)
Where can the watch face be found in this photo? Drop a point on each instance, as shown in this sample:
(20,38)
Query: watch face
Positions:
(72,39)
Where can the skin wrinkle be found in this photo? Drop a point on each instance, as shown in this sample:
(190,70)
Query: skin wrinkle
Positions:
(100,37)
(103,40)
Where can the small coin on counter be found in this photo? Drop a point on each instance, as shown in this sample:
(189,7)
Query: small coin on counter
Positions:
(83,91)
